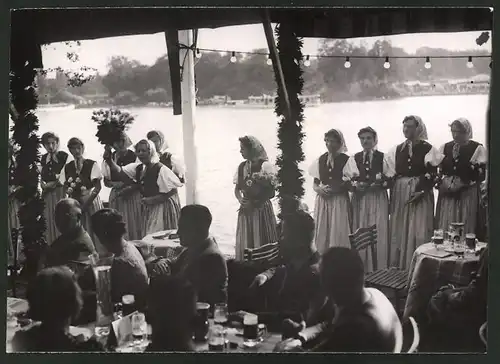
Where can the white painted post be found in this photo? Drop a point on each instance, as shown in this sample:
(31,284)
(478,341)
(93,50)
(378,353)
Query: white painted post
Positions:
(188,115)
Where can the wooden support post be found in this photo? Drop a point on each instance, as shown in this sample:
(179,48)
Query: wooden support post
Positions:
(188,114)
(273,52)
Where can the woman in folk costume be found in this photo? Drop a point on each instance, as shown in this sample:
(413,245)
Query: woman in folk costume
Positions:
(13,205)
(332,173)
(82,181)
(51,166)
(414,164)
(158,186)
(166,158)
(124,197)
(462,169)
(255,182)
(370,201)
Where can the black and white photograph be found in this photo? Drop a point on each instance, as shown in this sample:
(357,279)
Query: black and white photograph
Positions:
(248,180)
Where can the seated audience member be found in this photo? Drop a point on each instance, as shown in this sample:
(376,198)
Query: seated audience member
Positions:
(128,272)
(201,263)
(293,288)
(55,299)
(155,265)
(74,244)
(172,310)
(455,314)
(362,319)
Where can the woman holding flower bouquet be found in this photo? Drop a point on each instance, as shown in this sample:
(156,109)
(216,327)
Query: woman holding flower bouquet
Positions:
(370,201)
(255,183)
(460,175)
(82,181)
(332,173)
(124,197)
(414,164)
(51,166)
(158,186)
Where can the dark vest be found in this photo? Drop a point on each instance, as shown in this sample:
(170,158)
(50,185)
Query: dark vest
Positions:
(70,171)
(329,176)
(149,182)
(414,166)
(166,160)
(367,172)
(460,166)
(241,176)
(51,169)
(122,161)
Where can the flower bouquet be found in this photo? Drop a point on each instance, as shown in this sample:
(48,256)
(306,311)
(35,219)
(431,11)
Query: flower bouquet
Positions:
(362,185)
(75,188)
(111,124)
(259,187)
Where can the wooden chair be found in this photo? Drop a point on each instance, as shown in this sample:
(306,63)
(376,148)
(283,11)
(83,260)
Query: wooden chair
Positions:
(483,333)
(391,279)
(410,330)
(266,254)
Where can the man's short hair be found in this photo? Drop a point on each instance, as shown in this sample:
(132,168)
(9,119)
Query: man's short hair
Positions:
(342,265)
(109,222)
(67,204)
(301,223)
(199,216)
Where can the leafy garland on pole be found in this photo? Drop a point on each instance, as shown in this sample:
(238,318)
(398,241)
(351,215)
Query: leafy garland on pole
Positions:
(31,211)
(290,135)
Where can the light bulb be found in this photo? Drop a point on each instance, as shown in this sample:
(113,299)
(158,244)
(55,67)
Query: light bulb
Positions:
(347,63)
(469,63)
(269,61)
(307,62)
(233,58)
(387,64)
(198,53)
(427,64)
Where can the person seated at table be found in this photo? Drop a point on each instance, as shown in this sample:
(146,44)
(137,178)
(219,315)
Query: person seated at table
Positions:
(172,310)
(54,299)
(74,244)
(155,265)
(358,319)
(455,314)
(201,263)
(128,272)
(293,287)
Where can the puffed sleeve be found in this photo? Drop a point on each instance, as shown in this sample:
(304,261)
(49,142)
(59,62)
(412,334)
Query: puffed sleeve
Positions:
(314,169)
(62,175)
(96,172)
(130,170)
(351,168)
(106,173)
(433,157)
(235,177)
(441,149)
(167,180)
(178,165)
(269,168)
(389,164)
(480,155)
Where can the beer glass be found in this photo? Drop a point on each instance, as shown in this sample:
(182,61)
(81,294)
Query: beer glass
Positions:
(250,330)
(101,265)
(220,314)
(216,338)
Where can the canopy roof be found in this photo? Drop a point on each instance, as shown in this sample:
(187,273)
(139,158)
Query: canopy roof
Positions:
(55,25)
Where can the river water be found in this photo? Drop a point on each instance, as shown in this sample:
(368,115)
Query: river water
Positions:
(218,130)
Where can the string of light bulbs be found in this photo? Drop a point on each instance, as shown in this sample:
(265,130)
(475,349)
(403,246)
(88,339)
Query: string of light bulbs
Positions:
(306,61)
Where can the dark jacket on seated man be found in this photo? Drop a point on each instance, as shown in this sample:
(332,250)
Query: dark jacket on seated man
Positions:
(74,246)
(201,263)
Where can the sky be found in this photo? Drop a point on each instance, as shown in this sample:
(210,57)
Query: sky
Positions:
(147,48)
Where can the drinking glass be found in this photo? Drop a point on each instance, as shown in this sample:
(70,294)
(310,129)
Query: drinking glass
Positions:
(101,265)
(216,338)
(220,314)
(471,241)
(250,330)
(438,238)
(139,328)
(459,249)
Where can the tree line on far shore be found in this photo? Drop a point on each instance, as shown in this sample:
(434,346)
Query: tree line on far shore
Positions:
(128,82)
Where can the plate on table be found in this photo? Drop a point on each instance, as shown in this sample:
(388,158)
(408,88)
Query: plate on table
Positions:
(163,235)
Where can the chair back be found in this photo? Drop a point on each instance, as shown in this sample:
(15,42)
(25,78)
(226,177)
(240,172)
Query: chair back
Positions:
(365,238)
(264,254)
(483,333)
(410,330)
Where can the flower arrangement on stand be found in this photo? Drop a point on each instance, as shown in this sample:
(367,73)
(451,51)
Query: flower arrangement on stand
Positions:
(111,124)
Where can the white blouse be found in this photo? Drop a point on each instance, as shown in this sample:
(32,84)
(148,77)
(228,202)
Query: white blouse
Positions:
(94,174)
(267,167)
(350,169)
(386,170)
(166,181)
(177,165)
(434,157)
(480,155)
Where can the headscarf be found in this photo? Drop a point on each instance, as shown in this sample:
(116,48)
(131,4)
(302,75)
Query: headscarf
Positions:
(152,150)
(468,135)
(342,149)
(128,141)
(51,156)
(161,136)
(420,133)
(257,149)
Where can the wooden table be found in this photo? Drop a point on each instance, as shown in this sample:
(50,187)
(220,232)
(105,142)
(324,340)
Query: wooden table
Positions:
(430,270)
